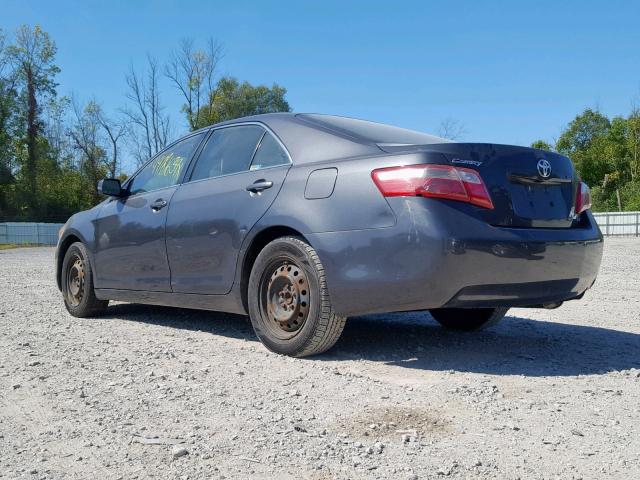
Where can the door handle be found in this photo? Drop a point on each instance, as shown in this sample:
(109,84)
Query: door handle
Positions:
(158,205)
(259,185)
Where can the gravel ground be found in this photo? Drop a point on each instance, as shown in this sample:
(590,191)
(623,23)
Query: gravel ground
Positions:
(151,392)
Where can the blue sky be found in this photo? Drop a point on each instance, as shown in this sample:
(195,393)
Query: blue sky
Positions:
(510,71)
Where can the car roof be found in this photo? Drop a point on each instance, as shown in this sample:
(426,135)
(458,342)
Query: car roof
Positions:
(318,137)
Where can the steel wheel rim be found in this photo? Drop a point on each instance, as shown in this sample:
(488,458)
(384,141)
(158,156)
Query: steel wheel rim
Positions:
(75,281)
(285,298)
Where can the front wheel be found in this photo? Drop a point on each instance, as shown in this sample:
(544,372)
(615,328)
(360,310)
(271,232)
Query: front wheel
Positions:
(468,319)
(289,303)
(77,284)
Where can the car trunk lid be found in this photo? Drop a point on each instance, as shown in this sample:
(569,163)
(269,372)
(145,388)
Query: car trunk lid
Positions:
(529,187)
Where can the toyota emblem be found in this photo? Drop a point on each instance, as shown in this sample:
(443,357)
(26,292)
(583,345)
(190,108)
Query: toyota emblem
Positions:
(544,168)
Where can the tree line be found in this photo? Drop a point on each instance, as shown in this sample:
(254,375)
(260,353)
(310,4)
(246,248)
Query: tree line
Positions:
(606,153)
(54,148)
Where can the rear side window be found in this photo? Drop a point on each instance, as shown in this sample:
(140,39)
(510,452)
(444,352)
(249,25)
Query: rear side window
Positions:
(166,169)
(269,154)
(228,150)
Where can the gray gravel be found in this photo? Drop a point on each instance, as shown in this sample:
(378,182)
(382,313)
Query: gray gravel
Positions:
(151,392)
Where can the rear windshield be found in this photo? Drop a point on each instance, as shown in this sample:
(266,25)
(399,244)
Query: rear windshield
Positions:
(372,132)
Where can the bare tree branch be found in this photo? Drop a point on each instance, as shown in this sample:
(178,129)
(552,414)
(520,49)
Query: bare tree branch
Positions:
(151,127)
(84,133)
(452,129)
(115,131)
(193,74)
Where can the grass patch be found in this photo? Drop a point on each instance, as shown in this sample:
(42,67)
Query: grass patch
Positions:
(8,246)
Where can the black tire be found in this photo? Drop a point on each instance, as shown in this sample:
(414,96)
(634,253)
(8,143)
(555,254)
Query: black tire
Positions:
(77,284)
(288,300)
(468,319)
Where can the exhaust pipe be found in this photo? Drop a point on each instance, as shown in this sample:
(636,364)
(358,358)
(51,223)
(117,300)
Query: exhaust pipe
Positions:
(551,306)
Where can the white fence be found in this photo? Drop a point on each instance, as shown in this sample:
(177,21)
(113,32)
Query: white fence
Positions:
(619,223)
(611,223)
(29,233)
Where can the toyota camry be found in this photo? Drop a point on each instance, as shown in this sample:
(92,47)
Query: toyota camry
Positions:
(301,220)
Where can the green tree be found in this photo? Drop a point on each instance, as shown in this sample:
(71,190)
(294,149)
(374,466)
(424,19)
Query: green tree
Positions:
(607,155)
(32,56)
(9,125)
(630,196)
(55,127)
(633,143)
(582,131)
(585,141)
(541,145)
(232,99)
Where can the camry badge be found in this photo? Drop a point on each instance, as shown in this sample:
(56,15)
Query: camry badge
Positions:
(544,168)
(467,162)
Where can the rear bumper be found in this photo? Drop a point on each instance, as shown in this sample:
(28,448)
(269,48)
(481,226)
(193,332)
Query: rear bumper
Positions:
(438,255)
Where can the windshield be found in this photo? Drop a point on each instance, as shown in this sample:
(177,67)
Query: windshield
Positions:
(378,133)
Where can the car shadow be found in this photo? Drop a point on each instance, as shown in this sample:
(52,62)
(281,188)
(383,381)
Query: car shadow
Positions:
(517,346)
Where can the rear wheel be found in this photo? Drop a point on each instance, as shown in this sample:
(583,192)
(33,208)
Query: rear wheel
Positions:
(468,319)
(77,284)
(288,300)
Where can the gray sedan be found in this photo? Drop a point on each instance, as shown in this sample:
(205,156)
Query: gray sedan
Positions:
(301,220)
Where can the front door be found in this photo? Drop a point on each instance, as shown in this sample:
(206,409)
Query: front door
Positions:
(130,250)
(234,181)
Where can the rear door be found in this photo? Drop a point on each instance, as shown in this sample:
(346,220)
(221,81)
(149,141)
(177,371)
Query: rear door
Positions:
(130,231)
(236,177)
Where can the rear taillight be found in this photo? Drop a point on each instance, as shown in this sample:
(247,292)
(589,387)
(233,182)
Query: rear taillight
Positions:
(438,181)
(583,198)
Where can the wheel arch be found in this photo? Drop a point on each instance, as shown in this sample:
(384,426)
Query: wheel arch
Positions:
(257,243)
(64,245)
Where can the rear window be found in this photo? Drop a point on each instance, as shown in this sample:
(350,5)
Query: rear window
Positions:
(228,150)
(372,132)
(269,154)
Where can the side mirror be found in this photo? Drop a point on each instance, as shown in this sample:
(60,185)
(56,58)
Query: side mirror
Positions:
(110,187)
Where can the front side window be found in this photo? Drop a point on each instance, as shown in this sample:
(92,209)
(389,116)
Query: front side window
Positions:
(166,169)
(269,154)
(228,150)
